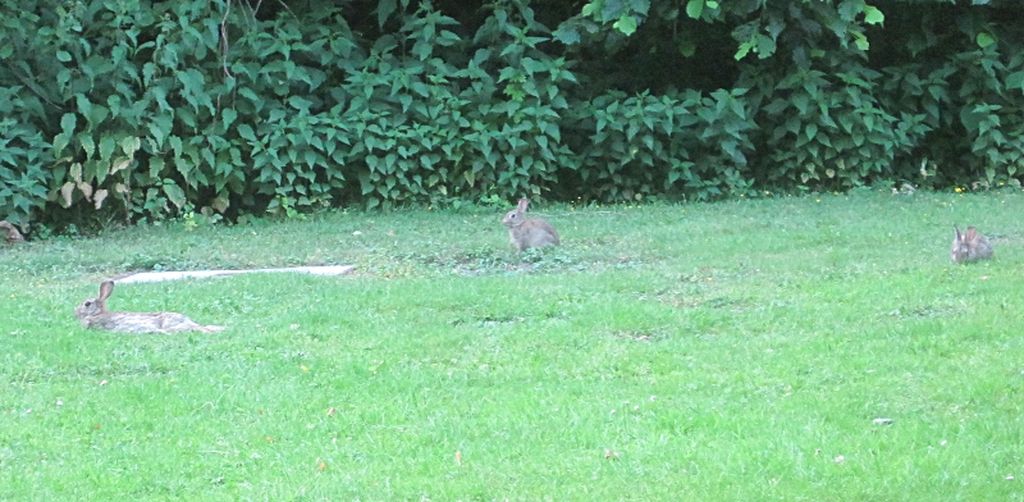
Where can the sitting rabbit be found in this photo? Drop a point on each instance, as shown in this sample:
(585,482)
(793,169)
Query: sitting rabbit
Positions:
(528,232)
(969,246)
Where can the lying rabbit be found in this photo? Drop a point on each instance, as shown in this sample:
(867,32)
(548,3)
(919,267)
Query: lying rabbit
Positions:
(93,314)
(969,246)
(528,232)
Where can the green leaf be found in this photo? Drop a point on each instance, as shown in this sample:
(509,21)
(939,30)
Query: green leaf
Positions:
(626,24)
(861,41)
(87,144)
(872,15)
(119,165)
(422,50)
(107,145)
(533,66)
(67,123)
(130,145)
(101,169)
(1015,80)
(566,34)
(208,157)
(193,82)
(84,106)
(985,39)
(743,50)
(246,132)
(300,103)
(63,56)
(421,89)
(694,8)
(174,193)
(384,10)
(60,142)
(249,94)
(156,166)
(99,114)
(176,144)
(765,46)
(160,128)
(229,115)
(848,9)
(611,9)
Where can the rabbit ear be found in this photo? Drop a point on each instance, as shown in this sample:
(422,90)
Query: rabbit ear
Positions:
(522,204)
(956,233)
(105,290)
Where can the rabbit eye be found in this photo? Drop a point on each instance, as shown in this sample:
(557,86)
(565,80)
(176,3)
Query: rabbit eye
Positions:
(88,303)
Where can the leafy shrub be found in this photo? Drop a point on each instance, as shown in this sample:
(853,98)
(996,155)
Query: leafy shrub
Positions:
(144,110)
(992,96)
(830,132)
(24,178)
(645,145)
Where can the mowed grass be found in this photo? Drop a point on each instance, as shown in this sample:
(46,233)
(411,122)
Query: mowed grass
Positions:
(729,351)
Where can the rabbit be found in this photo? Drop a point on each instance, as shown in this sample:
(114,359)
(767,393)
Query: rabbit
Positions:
(969,246)
(528,232)
(92,313)
(13,235)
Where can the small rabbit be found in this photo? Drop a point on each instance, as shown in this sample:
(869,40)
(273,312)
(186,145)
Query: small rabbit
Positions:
(969,246)
(13,235)
(93,314)
(528,232)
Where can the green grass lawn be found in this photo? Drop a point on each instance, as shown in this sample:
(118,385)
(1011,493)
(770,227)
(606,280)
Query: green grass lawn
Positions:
(728,351)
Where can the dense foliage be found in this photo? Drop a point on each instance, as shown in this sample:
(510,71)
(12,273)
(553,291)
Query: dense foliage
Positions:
(136,109)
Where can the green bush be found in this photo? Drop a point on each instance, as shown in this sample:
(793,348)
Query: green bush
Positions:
(693,145)
(136,110)
(829,132)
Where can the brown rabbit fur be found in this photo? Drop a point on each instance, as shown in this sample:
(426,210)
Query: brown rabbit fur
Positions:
(969,246)
(525,233)
(93,313)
